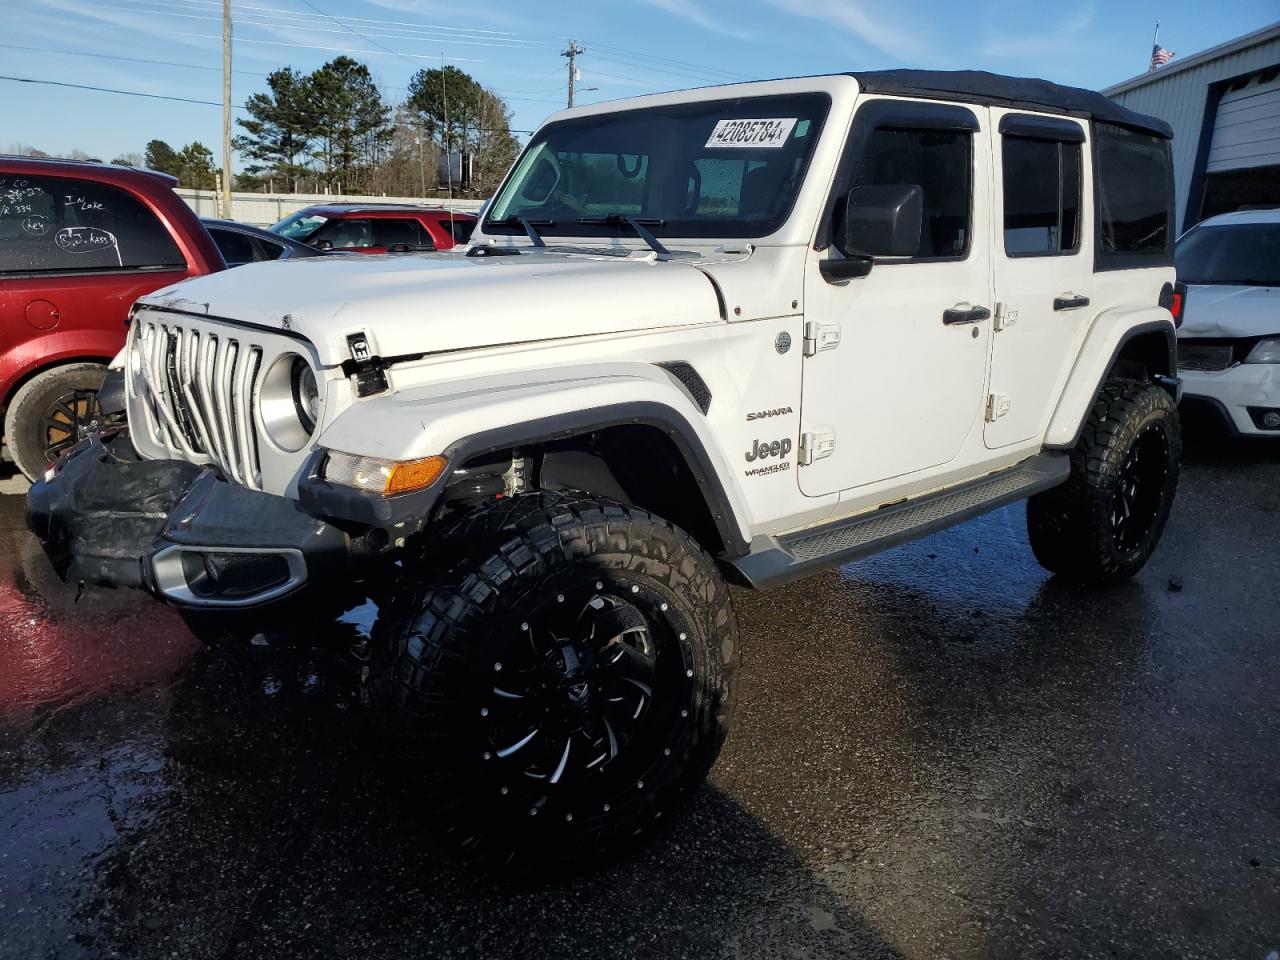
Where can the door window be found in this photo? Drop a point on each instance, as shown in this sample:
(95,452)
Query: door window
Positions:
(939,162)
(343,235)
(389,232)
(63,225)
(1041,196)
(235,247)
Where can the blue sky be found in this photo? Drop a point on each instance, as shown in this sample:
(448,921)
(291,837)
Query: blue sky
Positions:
(633,47)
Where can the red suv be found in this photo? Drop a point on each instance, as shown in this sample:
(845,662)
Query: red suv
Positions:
(79,243)
(377,227)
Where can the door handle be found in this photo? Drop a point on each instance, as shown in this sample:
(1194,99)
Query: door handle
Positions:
(1069,301)
(964,313)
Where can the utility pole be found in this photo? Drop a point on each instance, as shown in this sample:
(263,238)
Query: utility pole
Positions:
(226,109)
(572,53)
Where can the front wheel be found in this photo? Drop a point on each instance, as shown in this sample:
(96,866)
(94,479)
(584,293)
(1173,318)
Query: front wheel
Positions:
(1105,521)
(564,684)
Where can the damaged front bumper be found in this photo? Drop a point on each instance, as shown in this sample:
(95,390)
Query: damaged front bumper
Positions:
(176,529)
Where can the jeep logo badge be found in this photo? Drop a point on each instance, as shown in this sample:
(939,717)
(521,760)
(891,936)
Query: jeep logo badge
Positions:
(762,449)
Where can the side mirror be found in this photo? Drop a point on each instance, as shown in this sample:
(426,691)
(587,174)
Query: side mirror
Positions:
(324,245)
(882,221)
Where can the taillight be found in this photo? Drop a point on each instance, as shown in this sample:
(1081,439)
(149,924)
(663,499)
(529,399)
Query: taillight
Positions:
(1173,296)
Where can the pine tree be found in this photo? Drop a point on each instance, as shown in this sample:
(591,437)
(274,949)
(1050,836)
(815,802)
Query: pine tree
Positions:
(281,126)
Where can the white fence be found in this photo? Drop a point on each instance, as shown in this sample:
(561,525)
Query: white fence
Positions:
(264,209)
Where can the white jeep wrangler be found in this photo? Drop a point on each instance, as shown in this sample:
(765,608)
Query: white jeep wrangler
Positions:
(737,333)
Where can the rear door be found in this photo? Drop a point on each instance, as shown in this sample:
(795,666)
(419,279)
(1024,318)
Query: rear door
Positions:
(1043,269)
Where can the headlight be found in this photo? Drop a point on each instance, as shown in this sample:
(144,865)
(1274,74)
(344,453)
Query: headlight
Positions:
(290,402)
(384,477)
(306,394)
(1265,351)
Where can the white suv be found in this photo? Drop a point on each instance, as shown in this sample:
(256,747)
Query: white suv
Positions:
(1229,342)
(732,333)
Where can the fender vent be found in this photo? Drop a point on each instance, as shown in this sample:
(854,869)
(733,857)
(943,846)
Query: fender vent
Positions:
(692,381)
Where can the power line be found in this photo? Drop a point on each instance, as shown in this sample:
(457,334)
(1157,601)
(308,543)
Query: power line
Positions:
(127,93)
(405,23)
(108,56)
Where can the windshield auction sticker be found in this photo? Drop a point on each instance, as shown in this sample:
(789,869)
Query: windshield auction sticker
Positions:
(771,134)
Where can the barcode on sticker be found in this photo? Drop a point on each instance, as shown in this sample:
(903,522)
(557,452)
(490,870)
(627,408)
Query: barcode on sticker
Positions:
(770,133)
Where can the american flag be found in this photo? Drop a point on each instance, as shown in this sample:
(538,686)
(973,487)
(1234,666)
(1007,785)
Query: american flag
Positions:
(1160,56)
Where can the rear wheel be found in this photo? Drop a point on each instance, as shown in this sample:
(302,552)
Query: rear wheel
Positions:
(561,687)
(1105,521)
(48,412)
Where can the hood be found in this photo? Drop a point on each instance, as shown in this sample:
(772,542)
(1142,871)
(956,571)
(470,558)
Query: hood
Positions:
(1217,310)
(440,302)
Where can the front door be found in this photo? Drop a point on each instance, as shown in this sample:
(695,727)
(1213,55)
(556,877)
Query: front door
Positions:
(896,377)
(1043,269)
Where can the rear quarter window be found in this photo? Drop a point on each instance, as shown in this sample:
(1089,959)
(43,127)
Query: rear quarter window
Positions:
(1134,198)
(62,225)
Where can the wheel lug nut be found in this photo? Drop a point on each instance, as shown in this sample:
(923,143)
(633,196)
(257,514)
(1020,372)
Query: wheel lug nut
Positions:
(606,808)
(484,711)
(497,666)
(568,817)
(533,811)
(489,756)
(634,588)
(504,791)
(664,606)
(684,636)
(559,598)
(524,626)
(666,752)
(684,713)
(599,585)
(639,784)
(688,673)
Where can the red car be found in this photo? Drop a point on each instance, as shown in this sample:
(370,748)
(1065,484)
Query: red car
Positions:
(79,243)
(377,227)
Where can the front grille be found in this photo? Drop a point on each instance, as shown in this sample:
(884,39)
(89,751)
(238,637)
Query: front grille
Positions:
(200,389)
(1206,357)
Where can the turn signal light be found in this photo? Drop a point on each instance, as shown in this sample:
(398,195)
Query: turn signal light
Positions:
(411,475)
(385,477)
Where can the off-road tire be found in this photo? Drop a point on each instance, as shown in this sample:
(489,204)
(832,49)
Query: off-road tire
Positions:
(482,590)
(1073,528)
(24,429)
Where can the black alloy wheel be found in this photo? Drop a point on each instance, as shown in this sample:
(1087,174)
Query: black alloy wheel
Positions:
(594,677)
(1140,487)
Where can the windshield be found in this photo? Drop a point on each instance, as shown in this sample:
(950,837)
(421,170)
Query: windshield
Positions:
(1240,254)
(299,226)
(723,168)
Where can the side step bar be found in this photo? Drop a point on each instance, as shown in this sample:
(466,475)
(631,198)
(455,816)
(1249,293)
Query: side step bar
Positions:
(781,559)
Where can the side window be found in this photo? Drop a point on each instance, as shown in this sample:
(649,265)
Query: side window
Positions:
(1135,198)
(235,247)
(390,232)
(460,230)
(343,235)
(62,225)
(1041,196)
(940,162)
(268,249)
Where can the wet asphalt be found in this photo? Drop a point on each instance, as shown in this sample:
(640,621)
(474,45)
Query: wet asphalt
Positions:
(939,752)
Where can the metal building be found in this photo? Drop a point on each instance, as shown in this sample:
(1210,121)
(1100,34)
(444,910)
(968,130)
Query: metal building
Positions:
(1224,106)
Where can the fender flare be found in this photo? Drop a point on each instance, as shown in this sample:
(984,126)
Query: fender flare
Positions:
(1088,375)
(54,349)
(409,513)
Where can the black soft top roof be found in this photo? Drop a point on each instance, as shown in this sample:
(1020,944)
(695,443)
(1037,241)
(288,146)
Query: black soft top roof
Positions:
(977,86)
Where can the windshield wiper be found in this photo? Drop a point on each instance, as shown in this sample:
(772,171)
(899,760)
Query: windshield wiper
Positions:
(516,221)
(635,223)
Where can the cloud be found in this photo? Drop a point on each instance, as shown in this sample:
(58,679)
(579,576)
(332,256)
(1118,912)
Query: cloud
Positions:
(1045,40)
(695,14)
(884,31)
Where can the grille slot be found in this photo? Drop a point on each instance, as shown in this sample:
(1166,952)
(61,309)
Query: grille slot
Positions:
(200,390)
(1206,357)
